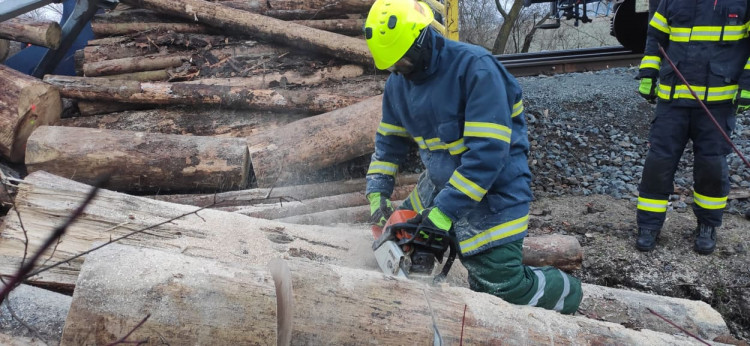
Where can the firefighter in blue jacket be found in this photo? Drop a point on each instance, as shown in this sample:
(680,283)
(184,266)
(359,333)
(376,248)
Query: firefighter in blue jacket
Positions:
(465,113)
(708,42)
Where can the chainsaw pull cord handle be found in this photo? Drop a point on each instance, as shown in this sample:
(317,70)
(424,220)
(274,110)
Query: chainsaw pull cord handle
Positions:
(448,262)
(703,105)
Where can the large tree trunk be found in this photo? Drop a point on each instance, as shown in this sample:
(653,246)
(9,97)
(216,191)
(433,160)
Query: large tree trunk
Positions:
(44,200)
(195,301)
(293,77)
(313,143)
(187,121)
(188,301)
(300,36)
(139,161)
(348,26)
(113,29)
(46,34)
(25,104)
(104,89)
(283,193)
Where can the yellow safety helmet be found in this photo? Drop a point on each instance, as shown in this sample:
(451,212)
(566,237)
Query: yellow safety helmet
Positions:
(391,28)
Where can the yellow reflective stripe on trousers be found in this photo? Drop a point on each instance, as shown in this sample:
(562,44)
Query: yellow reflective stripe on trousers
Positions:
(747,65)
(681,91)
(467,187)
(706,202)
(457,147)
(659,22)
(653,205)
(517,109)
(500,231)
(487,130)
(416,203)
(386,129)
(650,61)
(382,167)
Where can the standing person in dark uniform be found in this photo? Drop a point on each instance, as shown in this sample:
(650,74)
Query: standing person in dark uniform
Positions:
(708,42)
(465,112)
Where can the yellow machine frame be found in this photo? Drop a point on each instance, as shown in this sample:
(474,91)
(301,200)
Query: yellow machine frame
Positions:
(449,12)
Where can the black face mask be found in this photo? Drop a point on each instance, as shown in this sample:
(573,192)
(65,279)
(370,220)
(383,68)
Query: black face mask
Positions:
(419,54)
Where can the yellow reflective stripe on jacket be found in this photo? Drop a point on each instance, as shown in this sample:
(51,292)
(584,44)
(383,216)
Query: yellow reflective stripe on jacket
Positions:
(747,65)
(501,231)
(435,144)
(517,109)
(654,205)
(457,147)
(706,202)
(467,187)
(681,91)
(708,33)
(382,167)
(650,61)
(487,130)
(659,23)
(392,130)
(416,203)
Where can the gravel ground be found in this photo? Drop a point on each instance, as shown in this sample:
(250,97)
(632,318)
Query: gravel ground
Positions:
(589,134)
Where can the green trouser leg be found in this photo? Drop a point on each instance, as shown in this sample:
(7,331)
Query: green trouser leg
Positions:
(500,272)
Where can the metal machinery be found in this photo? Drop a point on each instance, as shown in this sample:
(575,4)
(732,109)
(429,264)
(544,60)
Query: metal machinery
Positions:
(628,25)
(82,13)
(446,17)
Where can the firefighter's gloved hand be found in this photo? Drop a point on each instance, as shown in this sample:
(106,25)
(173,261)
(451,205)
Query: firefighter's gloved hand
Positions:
(647,89)
(380,208)
(742,101)
(433,219)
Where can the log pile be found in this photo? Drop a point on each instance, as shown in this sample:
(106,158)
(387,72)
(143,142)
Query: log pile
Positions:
(221,111)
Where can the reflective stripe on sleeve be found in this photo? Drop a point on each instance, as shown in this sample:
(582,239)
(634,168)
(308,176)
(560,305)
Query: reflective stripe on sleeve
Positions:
(500,231)
(659,23)
(653,205)
(467,187)
(392,130)
(517,109)
(706,202)
(487,130)
(651,61)
(416,203)
(382,167)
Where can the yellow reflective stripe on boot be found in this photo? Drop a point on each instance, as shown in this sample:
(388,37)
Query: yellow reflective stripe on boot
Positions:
(468,187)
(382,167)
(517,109)
(653,205)
(706,202)
(500,231)
(416,203)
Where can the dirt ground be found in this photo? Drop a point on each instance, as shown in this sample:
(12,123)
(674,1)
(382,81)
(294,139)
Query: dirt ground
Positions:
(606,229)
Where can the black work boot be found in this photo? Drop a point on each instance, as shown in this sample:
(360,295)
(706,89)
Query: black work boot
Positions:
(646,239)
(705,240)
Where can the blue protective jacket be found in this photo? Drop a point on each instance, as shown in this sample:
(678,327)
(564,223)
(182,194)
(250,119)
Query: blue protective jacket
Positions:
(467,118)
(707,40)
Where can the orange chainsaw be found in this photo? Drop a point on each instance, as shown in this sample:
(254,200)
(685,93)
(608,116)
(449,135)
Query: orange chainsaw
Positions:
(402,248)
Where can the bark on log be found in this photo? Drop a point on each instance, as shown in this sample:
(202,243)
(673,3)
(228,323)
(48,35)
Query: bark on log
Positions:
(299,36)
(46,34)
(302,9)
(294,77)
(630,308)
(133,64)
(139,161)
(4,49)
(189,301)
(103,89)
(356,214)
(179,43)
(111,29)
(45,199)
(195,301)
(349,27)
(89,108)
(289,209)
(25,104)
(318,142)
(143,76)
(270,195)
(187,121)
